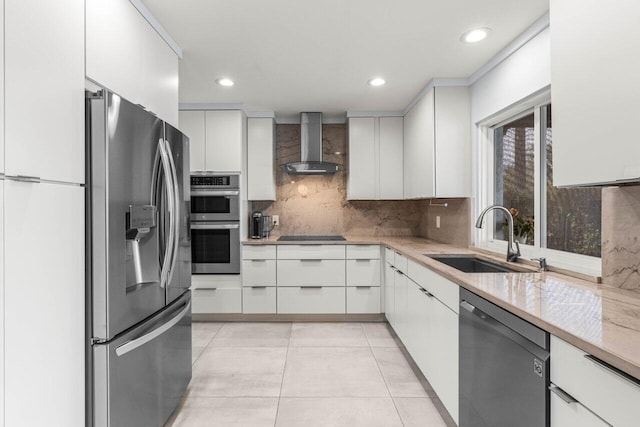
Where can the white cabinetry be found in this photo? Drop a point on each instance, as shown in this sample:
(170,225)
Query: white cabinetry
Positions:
(44,304)
(217,139)
(363,279)
(126,55)
(595,91)
(261,176)
(44,89)
(375,158)
(216,293)
(593,385)
(259,279)
(437,145)
(225,135)
(422,315)
(192,125)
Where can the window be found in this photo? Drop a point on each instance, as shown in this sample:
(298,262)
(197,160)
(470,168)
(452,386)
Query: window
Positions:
(516,171)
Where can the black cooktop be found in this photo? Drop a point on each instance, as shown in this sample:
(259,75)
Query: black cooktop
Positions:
(310,238)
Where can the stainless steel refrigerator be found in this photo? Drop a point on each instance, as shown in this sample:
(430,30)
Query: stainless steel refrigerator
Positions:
(139,261)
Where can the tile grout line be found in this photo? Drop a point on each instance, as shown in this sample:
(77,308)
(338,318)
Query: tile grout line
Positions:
(383,377)
(206,346)
(284,367)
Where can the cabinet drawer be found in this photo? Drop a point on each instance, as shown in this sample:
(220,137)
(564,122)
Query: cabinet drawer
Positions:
(222,300)
(363,252)
(389,255)
(363,299)
(612,397)
(259,252)
(311,251)
(213,281)
(258,272)
(363,272)
(259,300)
(303,272)
(565,414)
(311,300)
(443,289)
(400,262)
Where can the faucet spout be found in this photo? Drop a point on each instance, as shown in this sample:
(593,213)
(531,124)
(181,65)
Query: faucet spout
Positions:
(512,254)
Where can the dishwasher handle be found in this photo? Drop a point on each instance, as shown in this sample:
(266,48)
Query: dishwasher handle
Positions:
(498,327)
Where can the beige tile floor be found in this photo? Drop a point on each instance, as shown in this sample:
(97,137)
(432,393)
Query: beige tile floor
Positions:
(303,374)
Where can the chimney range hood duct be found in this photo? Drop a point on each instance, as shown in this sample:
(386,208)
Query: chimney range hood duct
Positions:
(311,149)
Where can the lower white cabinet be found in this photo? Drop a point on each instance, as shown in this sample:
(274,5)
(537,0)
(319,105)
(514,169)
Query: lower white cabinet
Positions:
(44,304)
(363,299)
(259,300)
(363,272)
(311,272)
(400,305)
(311,300)
(258,272)
(607,394)
(389,292)
(217,300)
(427,327)
(568,413)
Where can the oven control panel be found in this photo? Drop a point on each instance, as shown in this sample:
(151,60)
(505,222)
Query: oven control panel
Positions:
(215,181)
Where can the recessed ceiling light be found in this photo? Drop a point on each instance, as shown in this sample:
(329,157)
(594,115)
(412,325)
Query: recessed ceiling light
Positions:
(475,35)
(225,82)
(378,81)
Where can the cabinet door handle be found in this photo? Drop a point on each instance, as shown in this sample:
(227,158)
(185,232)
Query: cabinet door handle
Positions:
(562,394)
(23,178)
(258,260)
(310,287)
(612,369)
(258,287)
(363,287)
(363,260)
(310,260)
(427,293)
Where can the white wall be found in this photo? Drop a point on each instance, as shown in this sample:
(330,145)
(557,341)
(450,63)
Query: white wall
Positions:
(525,72)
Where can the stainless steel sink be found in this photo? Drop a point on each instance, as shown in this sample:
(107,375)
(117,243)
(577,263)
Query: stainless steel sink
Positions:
(471,264)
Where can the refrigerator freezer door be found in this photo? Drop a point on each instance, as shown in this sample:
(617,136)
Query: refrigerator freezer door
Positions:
(181,278)
(141,376)
(124,246)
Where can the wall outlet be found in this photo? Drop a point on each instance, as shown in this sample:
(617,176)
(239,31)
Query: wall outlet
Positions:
(276,220)
(437,221)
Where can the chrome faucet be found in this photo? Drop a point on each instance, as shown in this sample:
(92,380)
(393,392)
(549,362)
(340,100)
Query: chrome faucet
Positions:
(512,254)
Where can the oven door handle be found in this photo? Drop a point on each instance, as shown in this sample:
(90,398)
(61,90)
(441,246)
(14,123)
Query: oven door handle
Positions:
(197,193)
(195,226)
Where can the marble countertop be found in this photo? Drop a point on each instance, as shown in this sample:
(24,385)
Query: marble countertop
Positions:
(600,320)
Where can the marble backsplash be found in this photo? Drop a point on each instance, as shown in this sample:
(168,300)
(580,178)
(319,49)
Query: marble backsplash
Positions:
(318,204)
(621,237)
(455,221)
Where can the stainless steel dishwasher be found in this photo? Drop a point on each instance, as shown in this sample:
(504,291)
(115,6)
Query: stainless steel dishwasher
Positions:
(504,367)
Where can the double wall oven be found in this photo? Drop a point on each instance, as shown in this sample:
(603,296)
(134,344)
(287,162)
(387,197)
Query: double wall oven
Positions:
(215,223)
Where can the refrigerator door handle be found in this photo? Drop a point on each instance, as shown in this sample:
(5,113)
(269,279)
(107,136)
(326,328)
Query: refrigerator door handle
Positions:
(162,166)
(139,342)
(176,211)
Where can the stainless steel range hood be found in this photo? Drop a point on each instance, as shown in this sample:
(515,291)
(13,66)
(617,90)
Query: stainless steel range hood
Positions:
(311,149)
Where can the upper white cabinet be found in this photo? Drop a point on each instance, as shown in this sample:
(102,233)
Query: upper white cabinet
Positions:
(261,175)
(192,125)
(44,89)
(437,145)
(225,135)
(217,139)
(126,55)
(595,89)
(375,158)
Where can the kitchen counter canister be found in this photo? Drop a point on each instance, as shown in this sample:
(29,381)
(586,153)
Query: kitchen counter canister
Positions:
(600,320)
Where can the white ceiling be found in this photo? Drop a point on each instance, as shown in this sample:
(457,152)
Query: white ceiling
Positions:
(289,56)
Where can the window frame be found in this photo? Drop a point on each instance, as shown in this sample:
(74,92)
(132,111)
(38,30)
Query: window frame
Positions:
(485,179)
